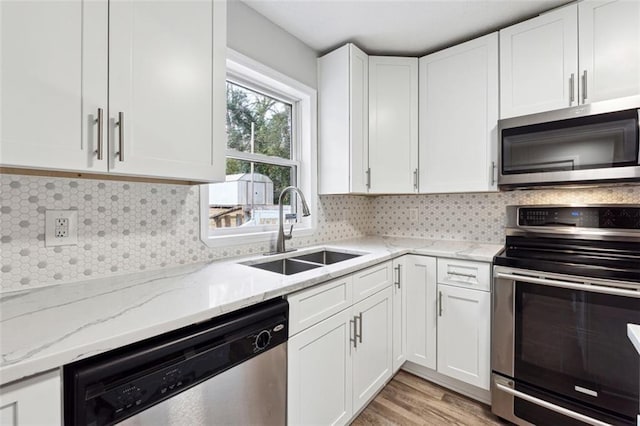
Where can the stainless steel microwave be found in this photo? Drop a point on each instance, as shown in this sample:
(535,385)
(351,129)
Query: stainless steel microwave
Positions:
(594,143)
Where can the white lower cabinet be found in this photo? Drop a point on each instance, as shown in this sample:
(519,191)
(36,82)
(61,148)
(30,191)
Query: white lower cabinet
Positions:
(463,334)
(350,335)
(319,373)
(399,350)
(33,401)
(420,289)
(372,353)
(338,364)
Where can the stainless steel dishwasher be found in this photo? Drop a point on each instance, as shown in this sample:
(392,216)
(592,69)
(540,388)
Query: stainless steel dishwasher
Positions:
(227,371)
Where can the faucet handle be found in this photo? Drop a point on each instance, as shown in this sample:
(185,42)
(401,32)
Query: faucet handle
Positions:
(290,235)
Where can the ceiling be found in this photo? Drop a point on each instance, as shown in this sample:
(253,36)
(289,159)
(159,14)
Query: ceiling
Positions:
(395,27)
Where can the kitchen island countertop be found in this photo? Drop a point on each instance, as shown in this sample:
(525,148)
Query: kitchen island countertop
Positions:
(46,327)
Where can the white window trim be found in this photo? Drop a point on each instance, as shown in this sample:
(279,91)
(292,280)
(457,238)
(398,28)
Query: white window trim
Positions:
(306,130)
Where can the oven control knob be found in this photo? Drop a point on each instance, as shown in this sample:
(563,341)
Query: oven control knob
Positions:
(262,339)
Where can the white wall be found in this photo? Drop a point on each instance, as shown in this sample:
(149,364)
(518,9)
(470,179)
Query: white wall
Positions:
(255,36)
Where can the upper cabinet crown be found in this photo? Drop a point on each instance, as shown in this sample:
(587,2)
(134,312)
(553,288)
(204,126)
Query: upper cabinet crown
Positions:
(578,54)
(126,87)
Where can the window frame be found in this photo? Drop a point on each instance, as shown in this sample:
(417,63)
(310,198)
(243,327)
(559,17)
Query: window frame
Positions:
(253,75)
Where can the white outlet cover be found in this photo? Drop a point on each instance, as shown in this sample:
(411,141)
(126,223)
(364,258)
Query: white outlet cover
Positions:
(50,239)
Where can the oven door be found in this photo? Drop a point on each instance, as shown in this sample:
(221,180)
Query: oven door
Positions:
(560,338)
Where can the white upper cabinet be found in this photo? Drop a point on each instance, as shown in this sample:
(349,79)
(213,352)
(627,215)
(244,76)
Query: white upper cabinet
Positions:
(53,80)
(393,124)
(165,77)
(343,121)
(609,49)
(538,63)
(459,117)
(161,86)
(578,54)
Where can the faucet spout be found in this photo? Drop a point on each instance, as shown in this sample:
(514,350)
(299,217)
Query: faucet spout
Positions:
(282,237)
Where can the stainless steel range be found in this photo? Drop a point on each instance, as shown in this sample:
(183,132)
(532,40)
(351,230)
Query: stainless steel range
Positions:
(565,287)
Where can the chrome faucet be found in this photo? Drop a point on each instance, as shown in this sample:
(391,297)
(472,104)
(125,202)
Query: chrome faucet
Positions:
(282,237)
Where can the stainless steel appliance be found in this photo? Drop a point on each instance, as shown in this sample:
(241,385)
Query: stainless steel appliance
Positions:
(565,287)
(593,143)
(227,371)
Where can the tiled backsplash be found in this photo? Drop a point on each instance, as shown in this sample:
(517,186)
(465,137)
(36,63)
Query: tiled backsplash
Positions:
(476,217)
(126,227)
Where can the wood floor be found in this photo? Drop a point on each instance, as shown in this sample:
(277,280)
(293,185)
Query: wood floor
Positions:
(410,400)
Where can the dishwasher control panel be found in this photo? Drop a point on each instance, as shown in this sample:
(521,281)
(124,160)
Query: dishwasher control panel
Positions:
(108,395)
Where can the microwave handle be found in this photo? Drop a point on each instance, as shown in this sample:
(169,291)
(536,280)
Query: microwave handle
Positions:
(550,406)
(573,286)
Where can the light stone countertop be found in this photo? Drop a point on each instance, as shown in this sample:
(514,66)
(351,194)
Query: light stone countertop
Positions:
(44,328)
(633,331)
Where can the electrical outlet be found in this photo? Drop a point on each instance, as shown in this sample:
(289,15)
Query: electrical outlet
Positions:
(61,228)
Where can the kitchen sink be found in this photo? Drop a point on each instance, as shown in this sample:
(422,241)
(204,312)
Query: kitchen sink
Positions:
(326,257)
(286,266)
(303,262)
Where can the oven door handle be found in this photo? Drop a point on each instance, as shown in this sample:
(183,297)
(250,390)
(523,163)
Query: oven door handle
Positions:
(573,286)
(550,406)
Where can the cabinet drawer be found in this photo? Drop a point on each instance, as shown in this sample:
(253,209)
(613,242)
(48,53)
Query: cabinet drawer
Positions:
(312,305)
(464,273)
(371,280)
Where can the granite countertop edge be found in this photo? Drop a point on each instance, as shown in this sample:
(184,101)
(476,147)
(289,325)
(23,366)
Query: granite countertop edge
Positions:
(44,328)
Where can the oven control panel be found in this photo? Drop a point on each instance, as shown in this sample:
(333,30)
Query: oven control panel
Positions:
(610,217)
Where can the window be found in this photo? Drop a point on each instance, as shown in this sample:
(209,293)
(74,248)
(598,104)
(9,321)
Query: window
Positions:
(270,145)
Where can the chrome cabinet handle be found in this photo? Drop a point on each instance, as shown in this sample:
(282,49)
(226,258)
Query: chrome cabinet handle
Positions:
(120,125)
(493,173)
(572,95)
(360,334)
(440,303)
(98,121)
(458,274)
(584,86)
(415,179)
(355,333)
(368,172)
(550,406)
(573,286)
(397,268)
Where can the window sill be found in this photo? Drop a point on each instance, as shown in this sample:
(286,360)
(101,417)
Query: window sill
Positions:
(253,238)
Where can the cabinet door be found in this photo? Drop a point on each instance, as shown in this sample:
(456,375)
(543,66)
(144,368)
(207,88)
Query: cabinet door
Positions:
(343,120)
(399,312)
(463,334)
(609,49)
(319,373)
(420,288)
(33,401)
(165,86)
(53,79)
(461,82)
(539,63)
(372,361)
(393,124)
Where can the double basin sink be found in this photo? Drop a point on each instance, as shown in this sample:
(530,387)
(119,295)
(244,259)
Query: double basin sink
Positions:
(304,262)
